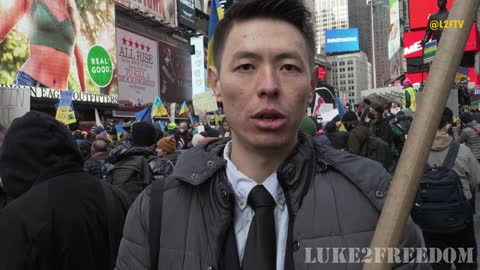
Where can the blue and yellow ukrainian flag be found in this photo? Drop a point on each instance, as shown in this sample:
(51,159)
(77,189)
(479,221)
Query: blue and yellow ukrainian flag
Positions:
(216,14)
(158,109)
(184,109)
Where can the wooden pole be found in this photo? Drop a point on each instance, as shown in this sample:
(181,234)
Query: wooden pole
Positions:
(399,201)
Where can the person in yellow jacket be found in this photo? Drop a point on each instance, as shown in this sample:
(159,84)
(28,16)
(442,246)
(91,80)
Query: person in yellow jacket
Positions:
(410,96)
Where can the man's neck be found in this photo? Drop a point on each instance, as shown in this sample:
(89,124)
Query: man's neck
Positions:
(256,164)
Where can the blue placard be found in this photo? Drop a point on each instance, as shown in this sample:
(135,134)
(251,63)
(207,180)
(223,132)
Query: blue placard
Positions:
(66,98)
(342,40)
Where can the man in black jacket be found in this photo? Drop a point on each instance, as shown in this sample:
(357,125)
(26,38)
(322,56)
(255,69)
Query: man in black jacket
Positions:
(62,217)
(98,165)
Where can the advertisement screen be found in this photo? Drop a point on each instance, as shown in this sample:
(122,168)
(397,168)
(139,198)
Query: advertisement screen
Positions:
(186,13)
(59,44)
(163,10)
(414,49)
(342,40)
(420,10)
(138,82)
(394,56)
(175,74)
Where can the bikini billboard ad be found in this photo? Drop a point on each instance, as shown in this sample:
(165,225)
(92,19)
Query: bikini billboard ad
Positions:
(59,44)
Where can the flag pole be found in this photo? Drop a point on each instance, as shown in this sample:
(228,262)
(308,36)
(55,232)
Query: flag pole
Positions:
(400,198)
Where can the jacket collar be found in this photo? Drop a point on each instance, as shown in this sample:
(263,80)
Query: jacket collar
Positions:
(198,164)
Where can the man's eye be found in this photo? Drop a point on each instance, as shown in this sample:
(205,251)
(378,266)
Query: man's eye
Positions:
(290,68)
(246,67)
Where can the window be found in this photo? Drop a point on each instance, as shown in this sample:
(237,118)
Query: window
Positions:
(342,63)
(351,87)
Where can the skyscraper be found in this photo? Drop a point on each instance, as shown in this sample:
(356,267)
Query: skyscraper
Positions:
(339,14)
(330,14)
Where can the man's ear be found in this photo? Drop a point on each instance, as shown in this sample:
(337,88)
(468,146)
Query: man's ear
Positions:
(313,84)
(214,82)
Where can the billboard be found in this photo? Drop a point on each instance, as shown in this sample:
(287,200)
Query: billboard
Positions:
(175,74)
(421,10)
(412,47)
(198,66)
(394,57)
(60,45)
(138,82)
(186,13)
(342,40)
(162,10)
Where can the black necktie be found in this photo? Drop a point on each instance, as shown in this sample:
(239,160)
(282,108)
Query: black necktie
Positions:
(261,247)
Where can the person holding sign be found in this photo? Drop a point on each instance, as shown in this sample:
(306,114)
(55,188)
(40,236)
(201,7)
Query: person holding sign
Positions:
(54,31)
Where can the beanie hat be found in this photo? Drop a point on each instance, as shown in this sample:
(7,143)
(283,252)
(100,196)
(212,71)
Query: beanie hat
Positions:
(349,116)
(407,82)
(167,144)
(196,139)
(331,126)
(308,126)
(143,134)
(466,117)
(172,126)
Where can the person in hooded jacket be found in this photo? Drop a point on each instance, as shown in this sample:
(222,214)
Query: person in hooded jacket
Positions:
(379,126)
(61,217)
(338,139)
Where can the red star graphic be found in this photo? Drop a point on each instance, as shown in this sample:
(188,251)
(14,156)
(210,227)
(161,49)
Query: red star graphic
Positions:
(148,49)
(130,42)
(136,44)
(143,46)
(124,40)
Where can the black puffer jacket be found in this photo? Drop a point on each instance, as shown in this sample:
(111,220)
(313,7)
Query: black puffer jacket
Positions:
(135,167)
(62,217)
(93,165)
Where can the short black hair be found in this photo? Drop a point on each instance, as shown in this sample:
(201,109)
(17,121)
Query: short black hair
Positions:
(447,118)
(293,12)
(78,135)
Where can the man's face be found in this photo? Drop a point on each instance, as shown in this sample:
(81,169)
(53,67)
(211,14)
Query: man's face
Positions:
(182,126)
(265,82)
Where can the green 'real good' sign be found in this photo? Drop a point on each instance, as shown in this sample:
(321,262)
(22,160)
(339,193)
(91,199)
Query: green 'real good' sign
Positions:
(100,66)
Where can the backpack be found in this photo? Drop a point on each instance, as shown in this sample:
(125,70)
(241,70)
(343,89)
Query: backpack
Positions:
(440,204)
(132,175)
(379,150)
(105,168)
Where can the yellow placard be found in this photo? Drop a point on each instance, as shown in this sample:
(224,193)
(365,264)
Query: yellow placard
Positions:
(62,114)
(71,118)
(205,102)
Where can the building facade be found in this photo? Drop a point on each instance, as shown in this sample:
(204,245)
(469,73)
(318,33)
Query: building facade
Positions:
(340,14)
(350,75)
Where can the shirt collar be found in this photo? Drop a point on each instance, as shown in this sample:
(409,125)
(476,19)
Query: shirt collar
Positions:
(242,184)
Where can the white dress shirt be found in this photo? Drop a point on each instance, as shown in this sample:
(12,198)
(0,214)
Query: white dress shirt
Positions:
(242,185)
